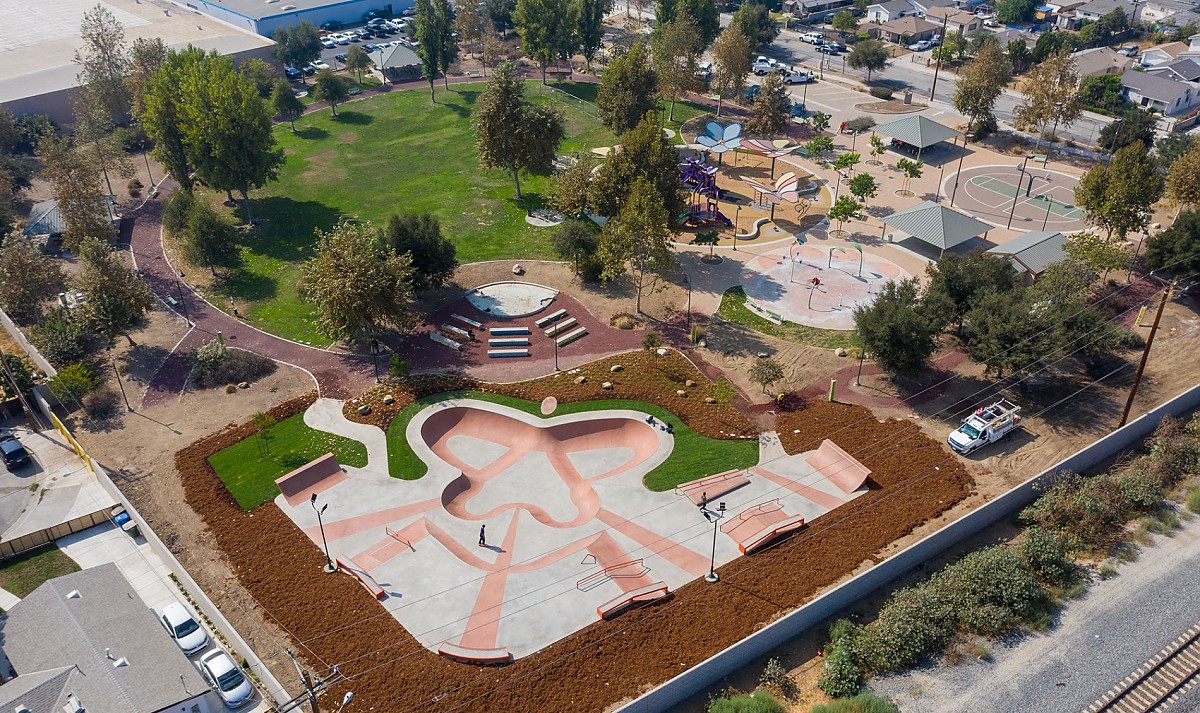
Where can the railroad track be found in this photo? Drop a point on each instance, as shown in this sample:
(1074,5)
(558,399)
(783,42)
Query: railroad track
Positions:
(1158,681)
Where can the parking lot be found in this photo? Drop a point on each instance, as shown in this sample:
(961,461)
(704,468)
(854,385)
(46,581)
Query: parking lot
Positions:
(337,43)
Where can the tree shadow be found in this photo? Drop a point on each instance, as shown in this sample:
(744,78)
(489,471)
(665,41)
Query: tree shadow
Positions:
(247,285)
(531,201)
(285,227)
(735,340)
(356,118)
(312,133)
(143,360)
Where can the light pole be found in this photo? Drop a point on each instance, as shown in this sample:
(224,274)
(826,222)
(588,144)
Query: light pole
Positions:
(375,357)
(958,174)
(1017,195)
(349,694)
(713,516)
(1132,260)
(117,372)
(329,568)
(182,301)
(149,175)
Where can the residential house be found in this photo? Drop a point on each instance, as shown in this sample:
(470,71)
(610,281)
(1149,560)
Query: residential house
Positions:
(905,30)
(953,20)
(1100,60)
(1184,70)
(890,10)
(1096,9)
(1032,252)
(1166,12)
(1167,96)
(925,6)
(815,10)
(87,642)
(1163,54)
(1008,35)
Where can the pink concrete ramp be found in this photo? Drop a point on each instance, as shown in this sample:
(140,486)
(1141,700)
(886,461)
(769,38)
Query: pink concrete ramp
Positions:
(309,479)
(838,466)
(713,486)
(760,525)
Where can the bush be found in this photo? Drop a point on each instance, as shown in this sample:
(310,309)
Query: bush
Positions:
(1193,500)
(840,629)
(623,320)
(398,367)
(175,212)
(61,340)
(865,702)
(791,401)
(984,127)
(651,341)
(776,676)
(842,677)
(590,269)
(914,622)
(991,591)
(134,184)
(1046,554)
(102,403)
(73,382)
(884,93)
(213,365)
(697,334)
(758,702)
(860,123)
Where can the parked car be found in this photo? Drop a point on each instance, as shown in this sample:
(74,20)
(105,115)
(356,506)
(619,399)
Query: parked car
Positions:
(340,57)
(1128,51)
(704,71)
(762,65)
(328,43)
(13,452)
(321,64)
(827,49)
(920,46)
(331,25)
(340,38)
(408,12)
(990,23)
(371,48)
(183,628)
(292,73)
(229,682)
(813,38)
(836,46)
(375,18)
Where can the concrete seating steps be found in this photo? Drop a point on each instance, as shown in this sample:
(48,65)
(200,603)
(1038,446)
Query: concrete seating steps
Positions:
(457,330)
(501,353)
(561,327)
(509,342)
(551,317)
(469,655)
(466,320)
(508,331)
(445,341)
(571,336)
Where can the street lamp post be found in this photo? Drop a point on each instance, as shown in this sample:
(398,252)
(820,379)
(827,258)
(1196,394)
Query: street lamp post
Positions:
(958,174)
(715,517)
(375,357)
(688,282)
(117,373)
(329,568)
(1017,195)
(182,301)
(149,175)
(1132,260)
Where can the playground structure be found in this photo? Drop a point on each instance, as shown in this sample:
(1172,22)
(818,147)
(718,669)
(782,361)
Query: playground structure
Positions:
(526,529)
(704,195)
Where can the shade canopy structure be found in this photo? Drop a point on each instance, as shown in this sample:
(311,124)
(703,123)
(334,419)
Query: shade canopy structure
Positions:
(917,131)
(936,225)
(1033,252)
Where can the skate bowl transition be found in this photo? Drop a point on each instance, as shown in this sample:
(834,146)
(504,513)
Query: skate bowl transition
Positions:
(526,529)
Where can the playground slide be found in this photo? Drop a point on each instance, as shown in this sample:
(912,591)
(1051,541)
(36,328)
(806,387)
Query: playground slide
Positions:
(723,219)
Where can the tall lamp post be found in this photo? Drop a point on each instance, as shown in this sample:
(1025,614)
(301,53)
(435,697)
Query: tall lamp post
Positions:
(688,282)
(117,373)
(182,301)
(329,568)
(375,357)
(715,517)
(958,174)
(1017,195)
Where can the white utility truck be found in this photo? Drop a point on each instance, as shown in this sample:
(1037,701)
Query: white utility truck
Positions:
(987,425)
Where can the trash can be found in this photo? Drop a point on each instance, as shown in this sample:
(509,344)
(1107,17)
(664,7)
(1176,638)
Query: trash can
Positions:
(130,527)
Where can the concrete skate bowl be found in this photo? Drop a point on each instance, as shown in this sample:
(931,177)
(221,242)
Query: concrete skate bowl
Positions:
(548,471)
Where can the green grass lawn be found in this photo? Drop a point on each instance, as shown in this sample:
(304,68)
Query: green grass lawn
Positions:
(26,572)
(390,153)
(733,309)
(694,455)
(684,110)
(250,475)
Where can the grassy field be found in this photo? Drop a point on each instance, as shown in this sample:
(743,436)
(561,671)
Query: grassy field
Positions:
(250,474)
(385,154)
(733,309)
(694,455)
(26,572)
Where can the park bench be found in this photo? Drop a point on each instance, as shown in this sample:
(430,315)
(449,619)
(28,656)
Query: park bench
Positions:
(467,654)
(457,330)
(509,342)
(713,486)
(562,326)
(571,336)
(466,320)
(502,353)
(445,341)
(619,603)
(551,317)
(508,331)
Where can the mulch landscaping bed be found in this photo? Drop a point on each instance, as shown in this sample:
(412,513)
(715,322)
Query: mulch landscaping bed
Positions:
(334,620)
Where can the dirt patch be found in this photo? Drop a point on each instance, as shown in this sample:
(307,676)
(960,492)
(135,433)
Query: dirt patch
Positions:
(333,620)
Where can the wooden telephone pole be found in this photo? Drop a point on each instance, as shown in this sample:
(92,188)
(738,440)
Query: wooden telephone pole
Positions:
(1137,378)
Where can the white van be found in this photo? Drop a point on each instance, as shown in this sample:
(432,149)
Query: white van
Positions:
(813,38)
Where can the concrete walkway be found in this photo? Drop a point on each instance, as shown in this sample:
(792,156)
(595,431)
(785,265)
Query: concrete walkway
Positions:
(8,600)
(144,569)
(326,415)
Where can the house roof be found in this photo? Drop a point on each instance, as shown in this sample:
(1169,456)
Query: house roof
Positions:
(1184,69)
(1170,49)
(399,56)
(937,225)
(1034,251)
(890,6)
(74,622)
(953,14)
(1102,7)
(1154,86)
(909,25)
(917,130)
(1100,60)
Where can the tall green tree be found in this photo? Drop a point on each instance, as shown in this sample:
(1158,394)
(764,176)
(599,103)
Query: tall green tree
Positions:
(981,83)
(75,177)
(755,22)
(145,57)
(844,21)
(843,209)
(1170,149)
(1176,249)
(1002,331)
(895,331)
(1098,254)
(647,154)
(437,46)
(419,235)
(330,88)
(356,282)
(1101,90)
(357,61)
(104,62)
(1014,11)
(27,278)
(771,107)
(510,133)
(871,55)
(1118,195)
(863,186)
(731,64)
(627,90)
(448,44)
(261,74)
(547,30)
(210,240)
(1051,93)
(286,104)
(589,16)
(676,48)
(117,297)
(956,281)
(297,45)
(703,12)
(1019,56)
(94,133)
(162,114)
(639,238)
(576,241)
(1136,125)
(1183,179)
(569,194)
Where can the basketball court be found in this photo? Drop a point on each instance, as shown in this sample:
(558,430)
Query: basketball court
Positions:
(1037,198)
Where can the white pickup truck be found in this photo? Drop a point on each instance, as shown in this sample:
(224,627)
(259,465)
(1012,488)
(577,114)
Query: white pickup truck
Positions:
(987,425)
(792,75)
(762,65)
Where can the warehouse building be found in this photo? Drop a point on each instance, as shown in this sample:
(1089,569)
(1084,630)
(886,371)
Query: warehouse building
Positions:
(265,16)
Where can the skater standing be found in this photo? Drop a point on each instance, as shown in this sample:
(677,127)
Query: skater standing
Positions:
(482,536)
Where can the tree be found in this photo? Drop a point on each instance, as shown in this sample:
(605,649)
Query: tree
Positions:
(731,64)
(754,20)
(1183,179)
(1052,42)
(448,43)
(1051,93)
(1176,249)
(640,237)
(1118,196)
(1002,331)
(651,341)
(676,50)
(285,103)
(878,148)
(22,373)
(211,240)
(27,278)
(434,258)
(709,238)
(818,145)
(259,72)
(863,186)
(570,190)
(511,134)
(1102,91)
(104,62)
(645,153)
(590,14)
(627,90)
(847,161)
(436,45)
(819,121)
(73,382)
(844,208)
(117,297)
(330,88)
(956,281)
(576,241)
(870,55)
(162,114)
(357,61)
(844,21)
(771,107)
(910,169)
(263,423)
(546,30)
(1098,254)
(74,176)
(297,45)
(981,83)
(145,57)
(94,133)
(1170,149)
(766,372)
(1136,125)
(356,282)
(471,21)
(1013,11)
(704,12)
(895,331)
(1019,56)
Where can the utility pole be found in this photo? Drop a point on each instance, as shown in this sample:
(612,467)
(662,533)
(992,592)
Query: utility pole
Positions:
(308,685)
(32,415)
(938,67)
(1137,378)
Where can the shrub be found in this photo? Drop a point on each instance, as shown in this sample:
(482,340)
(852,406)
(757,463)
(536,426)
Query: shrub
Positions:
(1107,571)
(776,676)
(61,340)
(840,629)
(865,702)
(398,367)
(984,127)
(914,622)
(590,269)
(623,320)
(231,388)
(883,93)
(175,212)
(758,702)
(102,403)
(1193,500)
(1046,554)
(73,382)
(213,365)
(860,123)
(651,341)
(791,401)
(991,590)
(697,333)
(134,184)
(842,676)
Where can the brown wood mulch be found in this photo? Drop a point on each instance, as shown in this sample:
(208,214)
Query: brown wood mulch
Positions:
(333,620)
